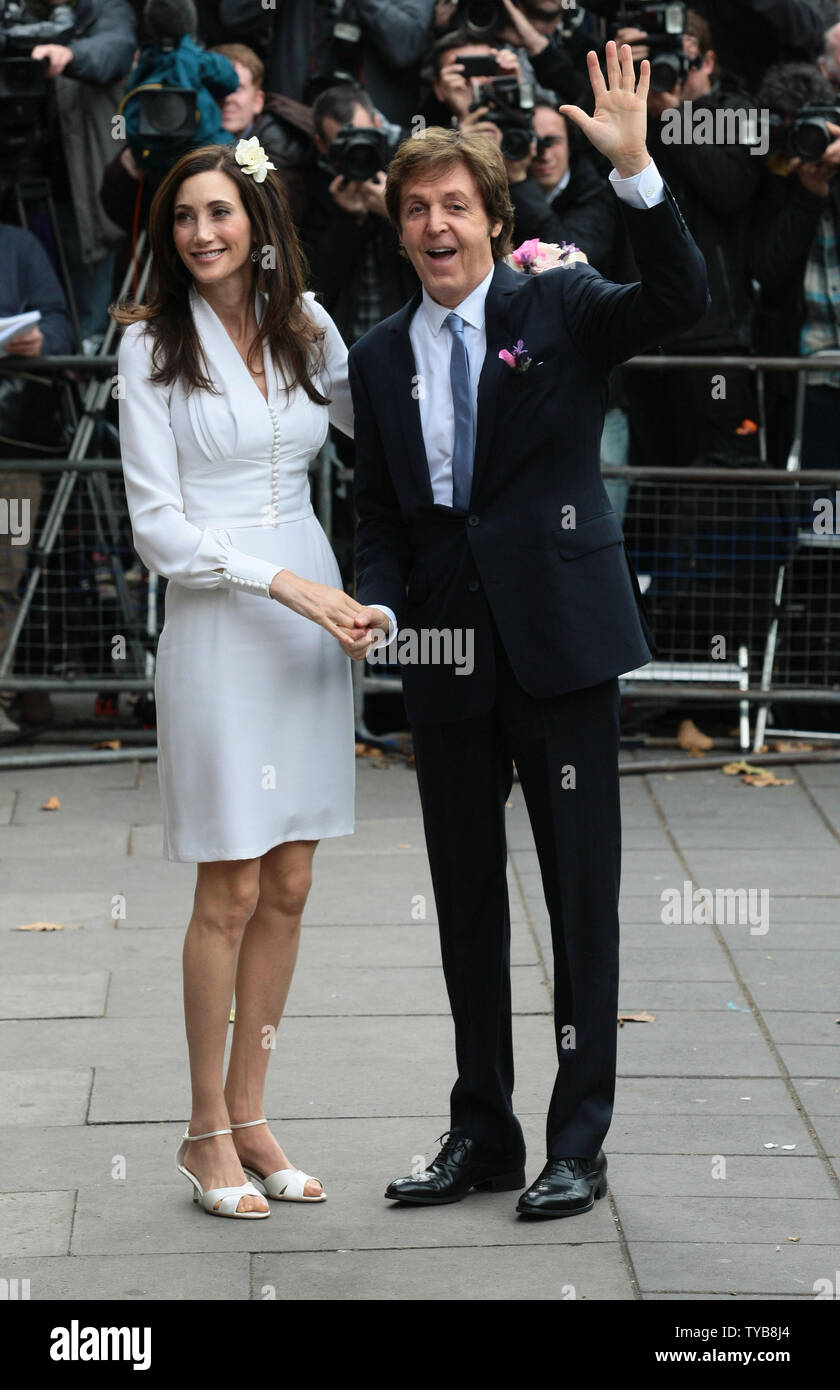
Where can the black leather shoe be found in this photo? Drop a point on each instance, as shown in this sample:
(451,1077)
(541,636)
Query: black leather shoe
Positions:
(566,1187)
(461,1165)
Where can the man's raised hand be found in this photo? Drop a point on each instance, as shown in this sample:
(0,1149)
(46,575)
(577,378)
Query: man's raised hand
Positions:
(619,125)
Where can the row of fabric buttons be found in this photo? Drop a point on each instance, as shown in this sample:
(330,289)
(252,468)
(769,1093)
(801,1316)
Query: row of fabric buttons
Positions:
(275,467)
(243,583)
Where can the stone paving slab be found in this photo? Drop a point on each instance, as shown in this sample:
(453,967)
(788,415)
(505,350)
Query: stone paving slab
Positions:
(68,909)
(673,1175)
(551,1272)
(658,1096)
(709,1134)
(35,1223)
(654,1217)
(46,1095)
(126,1278)
(51,995)
(704,1266)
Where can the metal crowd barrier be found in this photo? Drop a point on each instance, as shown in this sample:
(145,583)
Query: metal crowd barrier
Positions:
(742,591)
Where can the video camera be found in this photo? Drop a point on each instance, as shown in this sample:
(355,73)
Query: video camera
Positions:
(511,106)
(358,153)
(664,26)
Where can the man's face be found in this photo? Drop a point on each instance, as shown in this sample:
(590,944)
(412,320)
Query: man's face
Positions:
(446,233)
(829,63)
(460,90)
(241,108)
(698,80)
(552,162)
(330,127)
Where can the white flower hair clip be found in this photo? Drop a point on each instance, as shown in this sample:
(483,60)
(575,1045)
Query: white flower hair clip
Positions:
(252,159)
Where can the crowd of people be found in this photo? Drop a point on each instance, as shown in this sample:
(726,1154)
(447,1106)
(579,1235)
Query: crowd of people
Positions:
(330,89)
(100,97)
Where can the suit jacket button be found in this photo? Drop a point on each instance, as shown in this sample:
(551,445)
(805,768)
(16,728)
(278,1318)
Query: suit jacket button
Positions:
(473,586)
(472,520)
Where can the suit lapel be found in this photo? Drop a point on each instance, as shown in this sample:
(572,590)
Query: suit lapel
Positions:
(497,318)
(405,397)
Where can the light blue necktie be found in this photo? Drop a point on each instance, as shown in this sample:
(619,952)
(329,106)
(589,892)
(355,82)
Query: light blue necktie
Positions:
(463,446)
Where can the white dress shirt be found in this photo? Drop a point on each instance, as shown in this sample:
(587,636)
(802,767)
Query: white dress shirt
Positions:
(431,343)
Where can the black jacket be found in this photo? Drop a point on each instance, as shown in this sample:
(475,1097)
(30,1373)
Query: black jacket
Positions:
(715,185)
(334,243)
(565,599)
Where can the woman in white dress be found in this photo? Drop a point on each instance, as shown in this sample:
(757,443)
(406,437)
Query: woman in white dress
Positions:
(229,376)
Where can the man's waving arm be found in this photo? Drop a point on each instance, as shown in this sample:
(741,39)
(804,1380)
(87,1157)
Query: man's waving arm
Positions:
(609,322)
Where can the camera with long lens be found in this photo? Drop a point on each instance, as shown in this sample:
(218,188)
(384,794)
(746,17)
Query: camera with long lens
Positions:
(805,135)
(511,108)
(358,153)
(664,26)
(809,136)
(482,19)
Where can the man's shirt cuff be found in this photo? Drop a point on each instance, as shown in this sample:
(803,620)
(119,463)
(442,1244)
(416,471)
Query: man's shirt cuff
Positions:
(392,629)
(642,190)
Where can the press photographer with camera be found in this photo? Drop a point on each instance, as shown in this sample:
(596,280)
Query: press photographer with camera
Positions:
(354,260)
(320,43)
(795,251)
(61,71)
(674,416)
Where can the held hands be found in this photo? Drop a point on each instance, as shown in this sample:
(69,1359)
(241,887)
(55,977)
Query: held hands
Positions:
(330,608)
(619,124)
(371,626)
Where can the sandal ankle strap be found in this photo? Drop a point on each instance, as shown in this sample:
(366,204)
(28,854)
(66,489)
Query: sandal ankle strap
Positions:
(246,1124)
(211,1134)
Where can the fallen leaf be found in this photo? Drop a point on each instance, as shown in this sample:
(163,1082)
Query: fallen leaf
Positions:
(643,1017)
(692,739)
(793,745)
(363,750)
(794,1238)
(46,926)
(766,778)
(52,803)
(732,769)
(108,743)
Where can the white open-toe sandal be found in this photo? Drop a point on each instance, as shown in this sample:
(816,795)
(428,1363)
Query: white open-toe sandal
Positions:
(286,1184)
(230,1196)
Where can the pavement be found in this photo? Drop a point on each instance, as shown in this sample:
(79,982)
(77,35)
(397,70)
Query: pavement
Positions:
(724,1152)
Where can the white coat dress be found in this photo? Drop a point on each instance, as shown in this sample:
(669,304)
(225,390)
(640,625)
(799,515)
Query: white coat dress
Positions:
(254,702)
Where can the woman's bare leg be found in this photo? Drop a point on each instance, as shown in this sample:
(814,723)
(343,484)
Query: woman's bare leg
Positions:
(264,973)
(226,894)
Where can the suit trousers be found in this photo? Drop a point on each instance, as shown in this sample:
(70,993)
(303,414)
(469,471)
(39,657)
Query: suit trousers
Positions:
(566,753)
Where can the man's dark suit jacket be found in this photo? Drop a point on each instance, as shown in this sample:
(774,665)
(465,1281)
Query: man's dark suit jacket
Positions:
(565,600)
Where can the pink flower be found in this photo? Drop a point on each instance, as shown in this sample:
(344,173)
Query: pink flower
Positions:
(526,253)
(508,357)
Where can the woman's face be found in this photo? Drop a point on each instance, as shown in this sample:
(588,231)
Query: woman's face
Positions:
(211,228)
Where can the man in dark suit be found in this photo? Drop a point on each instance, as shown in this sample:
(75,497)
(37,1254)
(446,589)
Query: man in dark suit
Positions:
(479,409)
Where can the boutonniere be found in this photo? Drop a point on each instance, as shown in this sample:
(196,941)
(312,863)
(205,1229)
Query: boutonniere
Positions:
(517,357)
(534,256)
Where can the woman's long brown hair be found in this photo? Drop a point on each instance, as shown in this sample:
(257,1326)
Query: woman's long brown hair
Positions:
(294,339)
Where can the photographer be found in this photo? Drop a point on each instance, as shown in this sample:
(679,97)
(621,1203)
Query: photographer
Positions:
(674,415)
(829,60)
(795,257)
(84,73)
(319,43)
(460,66)
(354,258)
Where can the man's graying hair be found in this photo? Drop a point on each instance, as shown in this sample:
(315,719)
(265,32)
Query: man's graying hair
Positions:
(434,152)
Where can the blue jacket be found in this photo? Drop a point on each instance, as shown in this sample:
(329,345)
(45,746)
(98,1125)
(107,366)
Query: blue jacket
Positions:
(210,74)
(29,282)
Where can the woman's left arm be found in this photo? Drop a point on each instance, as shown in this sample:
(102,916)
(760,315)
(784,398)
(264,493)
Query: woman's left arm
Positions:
(334,376)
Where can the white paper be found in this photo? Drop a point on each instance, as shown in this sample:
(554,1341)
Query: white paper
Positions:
(17,323)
